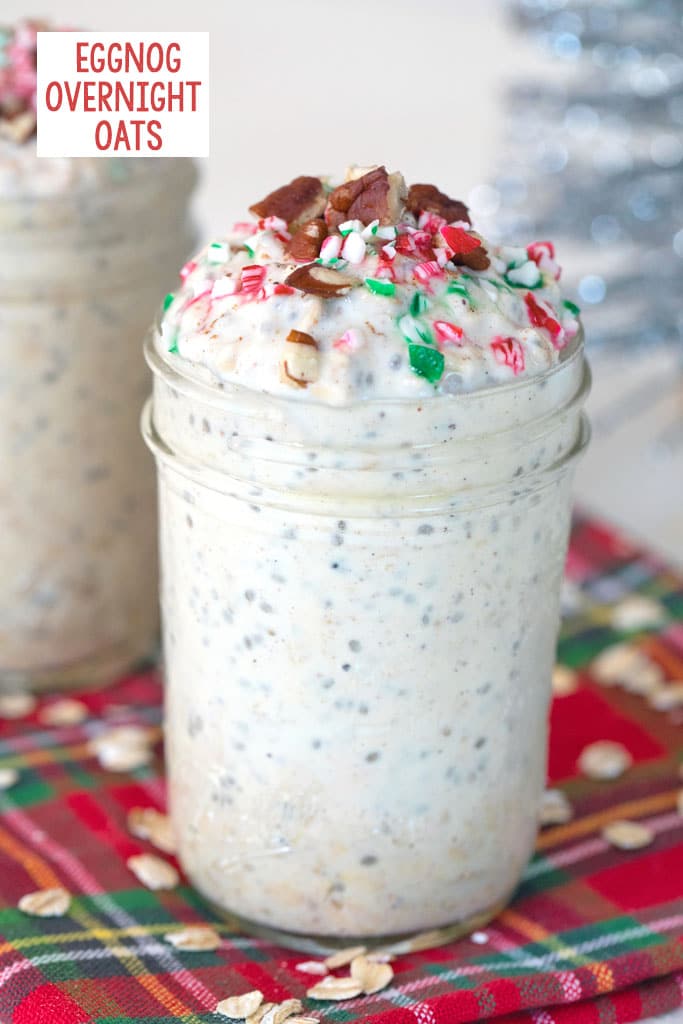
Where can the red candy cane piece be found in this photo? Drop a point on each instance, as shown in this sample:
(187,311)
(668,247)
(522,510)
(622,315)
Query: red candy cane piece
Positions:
(459,240)
(543,255)
(278,226)
(252,280)
(348,342)
(244,227)
(508,352)
(385,269)
(541,315)
(187,269)
(405,245)
(537,250)
(283,289)
(447,333)
(198,298)
(431,222)
(425,272)
(414,243)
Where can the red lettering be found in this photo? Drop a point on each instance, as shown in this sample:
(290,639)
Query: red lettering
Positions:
(72,95)
(81,57)
(97,64)
(173,65)
(98,135)
(53,104)
(193,86)
(154,129)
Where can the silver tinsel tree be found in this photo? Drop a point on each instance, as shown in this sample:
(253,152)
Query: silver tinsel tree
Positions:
(594,160)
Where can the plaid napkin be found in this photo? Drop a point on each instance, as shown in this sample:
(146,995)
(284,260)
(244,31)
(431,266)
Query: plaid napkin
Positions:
(594,934)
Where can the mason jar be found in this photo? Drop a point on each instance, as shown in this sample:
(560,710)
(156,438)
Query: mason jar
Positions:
(360,610)
(86,251)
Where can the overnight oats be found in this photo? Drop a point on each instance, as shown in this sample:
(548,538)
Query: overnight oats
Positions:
(365,420)
(87,248)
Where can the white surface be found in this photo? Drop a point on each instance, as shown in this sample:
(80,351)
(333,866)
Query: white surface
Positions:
(633,471)
(305,86)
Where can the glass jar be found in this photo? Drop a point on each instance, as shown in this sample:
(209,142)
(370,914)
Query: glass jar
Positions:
(86,251)
(360,610)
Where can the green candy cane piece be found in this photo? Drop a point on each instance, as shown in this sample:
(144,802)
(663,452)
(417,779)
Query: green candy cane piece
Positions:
(418,304)
(457,288)
(168,299)
(380,286)
(426,362)
(572,307)
(414,331)
(523,274)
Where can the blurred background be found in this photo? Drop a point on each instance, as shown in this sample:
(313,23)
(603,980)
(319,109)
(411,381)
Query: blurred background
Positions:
(556,119)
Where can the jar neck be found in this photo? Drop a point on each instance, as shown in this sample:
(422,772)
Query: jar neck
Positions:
(403,450)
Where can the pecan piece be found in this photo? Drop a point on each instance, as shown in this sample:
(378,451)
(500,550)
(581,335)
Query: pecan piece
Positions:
(429,198)
(301,200)
(300,363)
(304,245)
(476,260)
(376,195)
(315,279)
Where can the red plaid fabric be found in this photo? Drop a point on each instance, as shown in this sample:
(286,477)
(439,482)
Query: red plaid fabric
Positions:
(593,935)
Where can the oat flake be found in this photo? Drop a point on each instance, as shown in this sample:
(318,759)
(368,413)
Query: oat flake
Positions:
(372,977)
(312,967)
(16,705)
(153,872)
(343,957)
(627,835)
(555,808)
(667,697)
(242,1006)
(565,681)
(336,989)
(625,665)
(604,760)
(637,612)
(65,711)
(45,903)
(195,938)
(148,823)
(258,1015)
(8,777)
(279,1012)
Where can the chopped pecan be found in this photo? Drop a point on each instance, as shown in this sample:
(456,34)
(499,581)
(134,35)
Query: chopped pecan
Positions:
(301,338)
(478,259)
(318,280)
(376,195)
(304,245)
(429,198)
(301,200)
(300,362)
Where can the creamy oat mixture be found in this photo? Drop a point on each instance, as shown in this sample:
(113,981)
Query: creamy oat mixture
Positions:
(87,248)
(362,546)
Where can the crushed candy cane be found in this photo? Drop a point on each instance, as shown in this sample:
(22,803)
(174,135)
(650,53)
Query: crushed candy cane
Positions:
(408,299)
